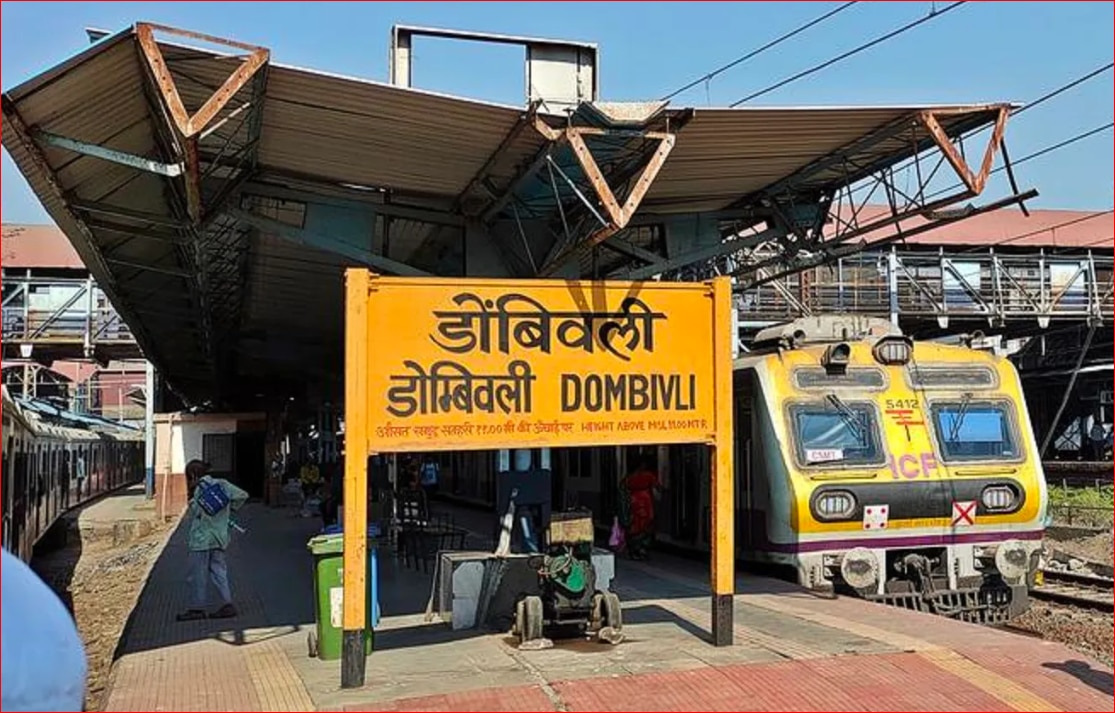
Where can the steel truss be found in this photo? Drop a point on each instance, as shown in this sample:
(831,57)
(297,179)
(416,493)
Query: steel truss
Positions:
(564,185)
(801,222)
(1015,293)
(209,127)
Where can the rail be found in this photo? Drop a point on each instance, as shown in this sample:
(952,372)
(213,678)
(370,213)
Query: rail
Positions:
(1075,589)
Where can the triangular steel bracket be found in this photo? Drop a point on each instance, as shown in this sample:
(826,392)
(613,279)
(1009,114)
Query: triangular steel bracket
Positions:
(618,216)
(975,181)
(186,124)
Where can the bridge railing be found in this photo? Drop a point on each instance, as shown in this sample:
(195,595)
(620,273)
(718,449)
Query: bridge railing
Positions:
(943,285)
(42,310)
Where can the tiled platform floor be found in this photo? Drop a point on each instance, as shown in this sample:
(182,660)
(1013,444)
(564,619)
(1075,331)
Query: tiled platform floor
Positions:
(793,650)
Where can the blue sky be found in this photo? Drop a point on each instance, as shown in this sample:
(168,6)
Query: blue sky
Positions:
(978,52)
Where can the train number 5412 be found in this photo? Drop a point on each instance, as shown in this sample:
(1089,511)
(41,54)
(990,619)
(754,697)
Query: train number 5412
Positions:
(901,403)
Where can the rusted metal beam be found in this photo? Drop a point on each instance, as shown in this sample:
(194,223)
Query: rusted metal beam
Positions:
(618,215)
(595,177)
(975,181)
(189,127)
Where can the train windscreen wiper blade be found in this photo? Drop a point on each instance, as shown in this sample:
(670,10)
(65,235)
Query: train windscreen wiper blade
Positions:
(850,417)
(958,420)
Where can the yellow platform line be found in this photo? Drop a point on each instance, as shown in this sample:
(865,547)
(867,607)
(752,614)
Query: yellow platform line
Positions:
(1002,688)
(275,680)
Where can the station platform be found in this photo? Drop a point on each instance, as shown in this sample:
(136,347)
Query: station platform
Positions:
(793,650)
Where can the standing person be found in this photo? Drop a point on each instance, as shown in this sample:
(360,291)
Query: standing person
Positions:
(1097,435)
(310,476)
(430,472)
(212,502)
(334,494)
(44,660)
(638,492)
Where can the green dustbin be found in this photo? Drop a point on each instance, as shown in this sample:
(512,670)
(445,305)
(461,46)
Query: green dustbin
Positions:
(328,551)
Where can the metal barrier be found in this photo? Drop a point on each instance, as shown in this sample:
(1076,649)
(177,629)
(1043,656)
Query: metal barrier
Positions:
(60,311)
(941,286)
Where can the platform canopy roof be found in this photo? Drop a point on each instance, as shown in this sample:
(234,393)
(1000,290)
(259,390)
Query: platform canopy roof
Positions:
(216,195)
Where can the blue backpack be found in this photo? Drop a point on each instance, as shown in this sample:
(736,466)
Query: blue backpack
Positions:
(212,497)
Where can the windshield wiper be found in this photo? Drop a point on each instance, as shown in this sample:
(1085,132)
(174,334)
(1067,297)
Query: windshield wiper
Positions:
(958,421)
(850,417)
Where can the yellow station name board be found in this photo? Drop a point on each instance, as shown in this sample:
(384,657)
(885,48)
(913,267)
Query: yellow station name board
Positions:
(475,364)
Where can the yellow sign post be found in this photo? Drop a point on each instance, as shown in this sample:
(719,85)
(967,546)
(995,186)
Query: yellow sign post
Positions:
(475,364)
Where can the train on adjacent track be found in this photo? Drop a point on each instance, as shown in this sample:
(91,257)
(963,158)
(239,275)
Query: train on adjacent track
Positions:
(865,462)
(55,460)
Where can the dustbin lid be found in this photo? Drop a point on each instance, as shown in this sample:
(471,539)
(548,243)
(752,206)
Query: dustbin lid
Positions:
(333,542)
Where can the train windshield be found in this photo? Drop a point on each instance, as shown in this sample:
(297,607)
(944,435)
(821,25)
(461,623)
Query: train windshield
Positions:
(835,433)
(974,431)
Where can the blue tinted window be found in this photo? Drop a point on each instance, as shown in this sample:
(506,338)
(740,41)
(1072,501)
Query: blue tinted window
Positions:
(975,432)
(828,435)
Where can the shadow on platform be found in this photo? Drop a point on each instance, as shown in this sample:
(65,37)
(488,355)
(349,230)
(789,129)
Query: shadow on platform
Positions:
(1085,673)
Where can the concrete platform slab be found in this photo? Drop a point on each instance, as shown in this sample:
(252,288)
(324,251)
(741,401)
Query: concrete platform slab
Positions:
(866,657)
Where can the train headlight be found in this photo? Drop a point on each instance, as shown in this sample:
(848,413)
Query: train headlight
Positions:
(999,498)
(832,505)
(893,350)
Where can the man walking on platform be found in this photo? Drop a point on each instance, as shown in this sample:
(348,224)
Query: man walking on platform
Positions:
(212,502)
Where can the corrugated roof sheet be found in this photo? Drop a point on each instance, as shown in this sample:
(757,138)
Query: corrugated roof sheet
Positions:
(422,147)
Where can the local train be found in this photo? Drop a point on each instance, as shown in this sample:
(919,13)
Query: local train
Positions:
(903,472)
(898,471)
(55,460)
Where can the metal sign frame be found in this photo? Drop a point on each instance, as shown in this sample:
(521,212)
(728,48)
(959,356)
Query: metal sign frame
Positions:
(374,303)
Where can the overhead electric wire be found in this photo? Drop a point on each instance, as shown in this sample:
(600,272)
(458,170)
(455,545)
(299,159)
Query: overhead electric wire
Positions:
(854,51)
(1063,88)
(755,52)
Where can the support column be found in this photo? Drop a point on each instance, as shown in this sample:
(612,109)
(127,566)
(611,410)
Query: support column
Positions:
(892,283)
(723,478)
(149,433)
(356,478)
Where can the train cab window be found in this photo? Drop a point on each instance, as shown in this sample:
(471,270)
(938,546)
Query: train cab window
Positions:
(835,433)
(974,431)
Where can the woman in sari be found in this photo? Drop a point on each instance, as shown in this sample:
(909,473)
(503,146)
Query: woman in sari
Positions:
(637,494)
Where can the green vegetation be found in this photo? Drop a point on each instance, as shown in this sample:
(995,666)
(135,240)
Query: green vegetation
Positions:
(1084,507)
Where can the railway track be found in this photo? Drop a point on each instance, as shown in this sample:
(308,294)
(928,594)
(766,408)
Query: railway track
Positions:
(1081,590)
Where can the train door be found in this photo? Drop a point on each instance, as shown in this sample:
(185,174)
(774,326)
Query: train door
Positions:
(743,408)
(51,483)
(9,476)
(19,496)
